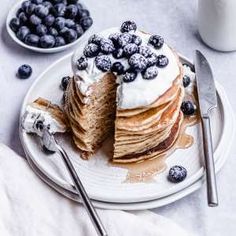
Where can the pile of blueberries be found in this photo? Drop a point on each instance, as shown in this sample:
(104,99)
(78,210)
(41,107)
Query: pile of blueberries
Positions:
(125,44)
(50,23)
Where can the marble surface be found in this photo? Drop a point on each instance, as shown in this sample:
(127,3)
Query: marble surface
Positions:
(176,21)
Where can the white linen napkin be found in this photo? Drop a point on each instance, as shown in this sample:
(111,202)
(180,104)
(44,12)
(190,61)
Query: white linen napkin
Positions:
(29,207)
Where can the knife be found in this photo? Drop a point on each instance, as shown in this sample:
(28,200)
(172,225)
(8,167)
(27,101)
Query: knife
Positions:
(207,101)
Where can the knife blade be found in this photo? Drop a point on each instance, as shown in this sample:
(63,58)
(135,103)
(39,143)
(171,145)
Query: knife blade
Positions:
(207,101)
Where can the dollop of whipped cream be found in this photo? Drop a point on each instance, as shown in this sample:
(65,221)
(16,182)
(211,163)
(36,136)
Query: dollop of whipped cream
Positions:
(137,93)
(33,115)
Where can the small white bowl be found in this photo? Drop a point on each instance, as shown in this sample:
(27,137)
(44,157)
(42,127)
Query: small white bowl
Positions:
(12,14)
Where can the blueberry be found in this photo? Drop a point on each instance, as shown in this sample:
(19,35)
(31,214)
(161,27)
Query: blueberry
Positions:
(128,26)
(150,73)
(86,22)
(103,63)
(24,71)
(59,9)
(162,61)
(186,81)
(118,53)
(129,76)
(138,62)
(37,1)
(24,5)
(107,46)
(136,39)
(49,20)
(41,11)
(35,20)
(91,50)
(29,10)
(32,40)
(69,23)
(145,51)
(114,38)
(23,18)
(79,30)
(63,31)
(47,41)
(64,82)
(124,39)
(152,59)
(95,39)
(130,49)
(39,125)
(70,35)
(118,68)
(18,12)
(15,24)
(156,41)
(48,5)
(85,13)
(187,108)
(177,174)
(71,11)
(59,23)
(22,32)
(41,30)
(82,63)
(53,31)
(59,41)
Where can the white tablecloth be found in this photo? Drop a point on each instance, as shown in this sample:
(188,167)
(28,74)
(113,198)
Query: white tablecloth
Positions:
(176,21)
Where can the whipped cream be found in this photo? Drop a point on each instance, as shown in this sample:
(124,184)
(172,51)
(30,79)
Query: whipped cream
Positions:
(33,115)
(135,94)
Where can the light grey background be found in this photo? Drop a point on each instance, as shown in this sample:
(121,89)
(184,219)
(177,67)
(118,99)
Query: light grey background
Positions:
(176,21)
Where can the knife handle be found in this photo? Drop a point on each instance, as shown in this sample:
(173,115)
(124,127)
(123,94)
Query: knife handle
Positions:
(212,195)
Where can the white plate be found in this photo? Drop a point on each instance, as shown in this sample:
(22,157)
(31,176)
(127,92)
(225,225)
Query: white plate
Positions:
(12,14)
(106,183)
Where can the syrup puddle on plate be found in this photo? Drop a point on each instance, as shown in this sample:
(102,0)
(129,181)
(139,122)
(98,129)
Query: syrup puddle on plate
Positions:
(146,170)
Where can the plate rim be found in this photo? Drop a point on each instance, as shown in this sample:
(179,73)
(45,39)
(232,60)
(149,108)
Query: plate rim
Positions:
(69,187)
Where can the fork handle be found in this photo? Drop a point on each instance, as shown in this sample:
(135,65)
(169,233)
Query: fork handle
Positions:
(82,194)
(212,195)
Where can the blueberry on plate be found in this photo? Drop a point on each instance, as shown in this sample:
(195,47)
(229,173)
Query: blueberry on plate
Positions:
(107,46)
(23,18)
(128,26)
(118,68)
(124,39)
(162,61)
(64,82)
(47,41)
(129,76)
(15,24)
(91,50)
(79,30)
(49,20)
(41,30)
(95,39)
(103,63)
(150,73)
(59,41)
(145,51)
(130,49)
(177,174)
(187,108)
(114,38)
(138,62)
(136,39)
(118,53)
(86,22)
(82,63)
(59,23)
(71,11)
(70,35)
(41,11)
(59,9)
(35,20)
(186,81)
(22,32)
(152,59)
(24,71)
(69,23)
(53,31)
(29,10)
(156,41)
(32,40)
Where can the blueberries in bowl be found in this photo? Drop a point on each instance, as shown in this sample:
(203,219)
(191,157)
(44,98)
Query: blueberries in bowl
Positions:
(61,22)
(24,71)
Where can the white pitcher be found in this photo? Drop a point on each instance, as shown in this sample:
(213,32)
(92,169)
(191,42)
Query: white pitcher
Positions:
(217,23)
